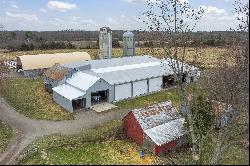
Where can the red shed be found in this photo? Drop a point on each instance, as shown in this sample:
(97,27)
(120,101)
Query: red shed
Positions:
(158,127)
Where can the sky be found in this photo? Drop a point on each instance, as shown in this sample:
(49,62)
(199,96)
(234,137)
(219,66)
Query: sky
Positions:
(46,15)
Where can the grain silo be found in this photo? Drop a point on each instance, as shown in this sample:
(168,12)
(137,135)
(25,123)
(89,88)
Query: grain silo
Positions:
(128,44)
(105,43)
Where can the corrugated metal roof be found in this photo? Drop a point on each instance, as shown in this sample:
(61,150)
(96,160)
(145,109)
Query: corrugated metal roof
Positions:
(166,132)
(156,114)
(161,122)
(82,80)
(41,61)
(126,69)
(103,63)
(68,91)
(56,72)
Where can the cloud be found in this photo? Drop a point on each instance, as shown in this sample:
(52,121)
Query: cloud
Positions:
(112,21)
(14,6)
(153,1)
(214,10)
(43,10)
(216,19)
(139,1)
(61,6)
(22,16)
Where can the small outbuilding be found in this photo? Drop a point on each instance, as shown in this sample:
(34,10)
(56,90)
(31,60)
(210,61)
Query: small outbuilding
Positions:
(158,127)
(34,65)
(56,75)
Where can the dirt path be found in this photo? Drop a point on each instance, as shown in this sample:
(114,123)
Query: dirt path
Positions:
(25,130)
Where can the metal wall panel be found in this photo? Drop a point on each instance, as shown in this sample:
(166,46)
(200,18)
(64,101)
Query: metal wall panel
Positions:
(155,84)
(122,91)
(140,87)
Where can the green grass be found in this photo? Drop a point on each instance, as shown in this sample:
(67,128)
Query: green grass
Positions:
(5,136)
(106,145)
(103,145)
(28,96)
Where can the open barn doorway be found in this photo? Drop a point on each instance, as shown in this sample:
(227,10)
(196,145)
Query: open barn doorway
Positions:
(99,97)
(78,104)
(168,81)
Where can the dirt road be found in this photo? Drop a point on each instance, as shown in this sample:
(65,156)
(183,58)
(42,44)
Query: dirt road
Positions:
(25,130)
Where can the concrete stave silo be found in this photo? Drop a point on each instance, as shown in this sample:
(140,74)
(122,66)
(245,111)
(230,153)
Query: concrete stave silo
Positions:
(105,43)
(128,44)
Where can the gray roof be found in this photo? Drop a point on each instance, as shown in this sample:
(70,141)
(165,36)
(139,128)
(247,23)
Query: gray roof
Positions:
(166,132)
(161,122)
(156,115)
(124,69)
(102,63)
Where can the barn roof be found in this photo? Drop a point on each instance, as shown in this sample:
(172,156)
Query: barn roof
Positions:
(125,69)
(161,122)
(41,61)
(166,132)
(56,72)
(156,115)
(68,91)
(82,80)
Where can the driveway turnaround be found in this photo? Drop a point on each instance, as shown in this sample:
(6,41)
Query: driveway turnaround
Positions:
(102,107)
(25,130)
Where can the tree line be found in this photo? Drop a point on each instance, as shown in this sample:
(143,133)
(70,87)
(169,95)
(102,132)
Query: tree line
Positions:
(30,40)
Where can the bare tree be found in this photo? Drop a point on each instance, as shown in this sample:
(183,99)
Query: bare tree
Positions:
(171,23)
(229,83)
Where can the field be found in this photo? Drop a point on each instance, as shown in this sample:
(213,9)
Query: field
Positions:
(106,145)
(5,136)
(206,57)
(103,145)
(28,96)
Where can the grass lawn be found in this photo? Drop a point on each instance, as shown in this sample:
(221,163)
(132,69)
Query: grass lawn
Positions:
(103,145)
(28,96)
(5,136)
(106,145)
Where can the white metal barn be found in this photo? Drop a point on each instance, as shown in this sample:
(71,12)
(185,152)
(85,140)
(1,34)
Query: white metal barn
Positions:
(112,79)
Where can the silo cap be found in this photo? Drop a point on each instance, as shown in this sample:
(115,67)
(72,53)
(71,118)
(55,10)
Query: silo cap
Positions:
(128,34)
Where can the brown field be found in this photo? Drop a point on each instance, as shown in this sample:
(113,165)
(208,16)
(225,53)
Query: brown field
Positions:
(205,57)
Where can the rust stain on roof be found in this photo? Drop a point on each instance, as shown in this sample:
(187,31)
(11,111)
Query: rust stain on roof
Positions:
(56,72)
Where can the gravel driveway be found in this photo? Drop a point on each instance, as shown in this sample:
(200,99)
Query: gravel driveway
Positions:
(25,130)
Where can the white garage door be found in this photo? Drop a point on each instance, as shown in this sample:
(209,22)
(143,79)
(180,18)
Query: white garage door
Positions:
(155,84)
(140,87)
(122,91)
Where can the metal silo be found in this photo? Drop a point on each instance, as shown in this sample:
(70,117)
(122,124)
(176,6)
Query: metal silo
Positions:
(105,43)
(128,44)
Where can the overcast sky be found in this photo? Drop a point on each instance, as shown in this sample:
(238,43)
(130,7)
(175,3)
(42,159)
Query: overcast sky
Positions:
(45,15)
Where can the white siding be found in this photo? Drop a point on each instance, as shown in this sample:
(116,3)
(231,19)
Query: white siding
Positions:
(140,87)
(155,84)
(122,91)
